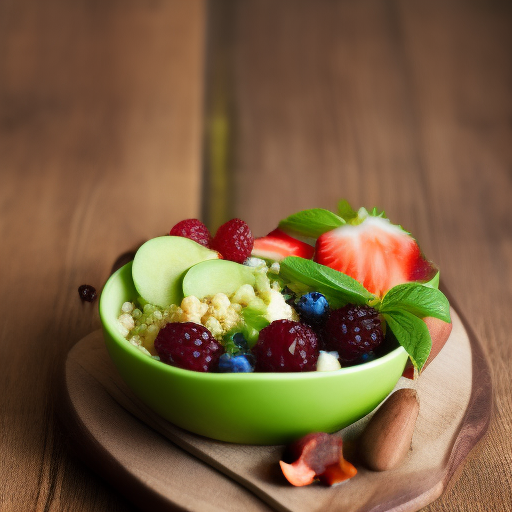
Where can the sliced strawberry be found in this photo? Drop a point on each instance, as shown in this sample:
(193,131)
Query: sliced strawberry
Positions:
(277,245)
(378,254)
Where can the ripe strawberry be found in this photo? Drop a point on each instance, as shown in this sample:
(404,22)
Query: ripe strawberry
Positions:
(188,345)
(286,346)
(234,240)
(277,245)
(375,252)
(193,229)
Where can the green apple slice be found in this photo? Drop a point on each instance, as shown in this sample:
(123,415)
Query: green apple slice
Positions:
(159,265)
(216,276)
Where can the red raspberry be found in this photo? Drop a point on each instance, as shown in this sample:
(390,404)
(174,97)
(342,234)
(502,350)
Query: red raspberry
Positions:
(193,229)
(353,331)
(188,345)
(286,346)
(234,240)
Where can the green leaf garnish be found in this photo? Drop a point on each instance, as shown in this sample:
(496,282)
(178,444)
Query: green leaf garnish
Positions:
(412,333)
(403,307)
(346,211)
(434,282)
(312,223)
(418,299)
(339,287)
(377,213)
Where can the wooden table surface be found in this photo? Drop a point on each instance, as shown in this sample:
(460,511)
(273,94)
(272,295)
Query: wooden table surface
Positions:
(405,105)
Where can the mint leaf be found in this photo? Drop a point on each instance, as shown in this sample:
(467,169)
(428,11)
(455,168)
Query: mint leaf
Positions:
(339,287)
(312,223)
(434,282)
(412,333)
(418,299)
(346,211)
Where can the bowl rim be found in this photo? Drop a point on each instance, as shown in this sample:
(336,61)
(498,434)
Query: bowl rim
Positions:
(115,335)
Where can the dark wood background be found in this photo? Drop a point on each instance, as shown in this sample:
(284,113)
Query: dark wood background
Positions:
(405,105)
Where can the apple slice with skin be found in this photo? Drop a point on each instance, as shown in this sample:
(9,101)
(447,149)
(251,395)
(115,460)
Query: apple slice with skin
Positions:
(159,265)
(216,276)
(439,333)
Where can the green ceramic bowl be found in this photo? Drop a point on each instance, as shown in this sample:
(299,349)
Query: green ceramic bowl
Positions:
(255,408)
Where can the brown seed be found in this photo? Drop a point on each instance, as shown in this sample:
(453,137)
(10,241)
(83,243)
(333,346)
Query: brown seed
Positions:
(87,292)
(387,437)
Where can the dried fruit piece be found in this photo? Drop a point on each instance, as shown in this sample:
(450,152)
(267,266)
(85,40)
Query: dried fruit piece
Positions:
(286,346)
(317,456)
(193,229)
(387,437)
(188,345)
(87,292)
(234,240)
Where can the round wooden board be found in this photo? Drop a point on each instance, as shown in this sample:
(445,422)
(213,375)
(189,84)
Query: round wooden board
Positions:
(130,446)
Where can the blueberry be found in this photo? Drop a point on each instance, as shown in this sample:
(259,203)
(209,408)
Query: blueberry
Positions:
(235,344)
(241,364)
(235,364)
(250,358)
(313,308)
(289,296)
(364,358)
(240,341)
(369,356)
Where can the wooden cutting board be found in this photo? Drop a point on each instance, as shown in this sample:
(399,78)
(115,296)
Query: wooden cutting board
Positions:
(161,467)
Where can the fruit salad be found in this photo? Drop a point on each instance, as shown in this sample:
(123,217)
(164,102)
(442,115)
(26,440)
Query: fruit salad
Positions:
(320,292)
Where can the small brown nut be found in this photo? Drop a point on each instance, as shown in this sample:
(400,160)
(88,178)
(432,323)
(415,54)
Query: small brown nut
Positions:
(387,437)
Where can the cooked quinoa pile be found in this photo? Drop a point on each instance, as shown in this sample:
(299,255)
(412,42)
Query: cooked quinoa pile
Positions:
(220,314)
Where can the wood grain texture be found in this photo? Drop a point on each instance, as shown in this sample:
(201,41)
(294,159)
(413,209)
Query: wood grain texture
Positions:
(100,148)
(401,104)
(404,105)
